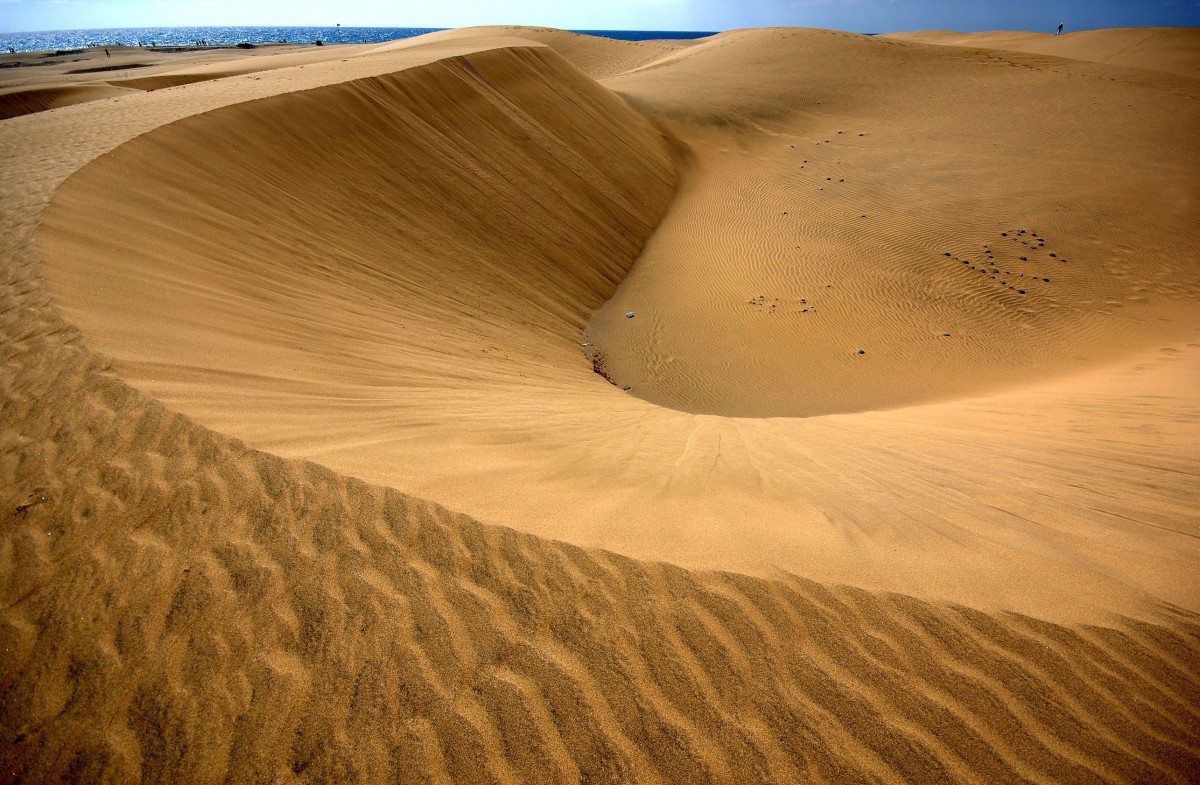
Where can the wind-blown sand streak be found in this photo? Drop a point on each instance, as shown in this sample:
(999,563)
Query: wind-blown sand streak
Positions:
(337,263)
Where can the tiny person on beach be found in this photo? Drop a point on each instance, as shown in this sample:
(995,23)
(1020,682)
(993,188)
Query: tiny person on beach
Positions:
(1060,24)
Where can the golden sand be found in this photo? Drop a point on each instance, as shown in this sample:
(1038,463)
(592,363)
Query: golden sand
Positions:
(507,405)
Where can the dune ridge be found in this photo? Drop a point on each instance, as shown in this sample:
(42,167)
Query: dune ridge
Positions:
(991,588)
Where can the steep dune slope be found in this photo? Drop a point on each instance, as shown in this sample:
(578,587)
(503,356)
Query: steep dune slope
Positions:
(444,227)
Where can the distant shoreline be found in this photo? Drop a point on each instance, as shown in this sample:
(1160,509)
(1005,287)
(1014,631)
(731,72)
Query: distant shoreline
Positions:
(53,40)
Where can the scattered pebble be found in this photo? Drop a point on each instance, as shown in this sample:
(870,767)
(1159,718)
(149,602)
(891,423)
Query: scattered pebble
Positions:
(629,314)
(862,351)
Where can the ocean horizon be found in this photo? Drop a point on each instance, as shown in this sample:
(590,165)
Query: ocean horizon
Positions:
(53,40)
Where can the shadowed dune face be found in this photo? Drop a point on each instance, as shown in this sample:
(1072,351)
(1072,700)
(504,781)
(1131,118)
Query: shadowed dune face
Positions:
(456,225)
(21,102)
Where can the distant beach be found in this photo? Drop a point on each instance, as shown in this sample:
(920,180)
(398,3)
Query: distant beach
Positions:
(53,40)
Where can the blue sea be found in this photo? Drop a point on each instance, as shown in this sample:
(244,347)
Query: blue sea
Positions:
(54,40)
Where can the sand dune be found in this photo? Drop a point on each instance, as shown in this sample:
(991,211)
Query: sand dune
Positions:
(37,81)
(1175,50)
(309,478)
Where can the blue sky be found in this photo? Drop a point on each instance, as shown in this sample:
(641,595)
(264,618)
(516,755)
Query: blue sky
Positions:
(866,16)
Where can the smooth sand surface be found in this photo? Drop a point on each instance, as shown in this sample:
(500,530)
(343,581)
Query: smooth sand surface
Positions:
(331,454)
(1175,50)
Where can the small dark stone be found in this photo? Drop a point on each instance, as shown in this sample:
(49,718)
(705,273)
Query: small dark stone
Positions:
(861,351)
(1022,291)
(1024,259)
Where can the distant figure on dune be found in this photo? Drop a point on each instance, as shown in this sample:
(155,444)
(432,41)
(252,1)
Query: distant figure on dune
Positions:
(1059,29)
(106,54)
